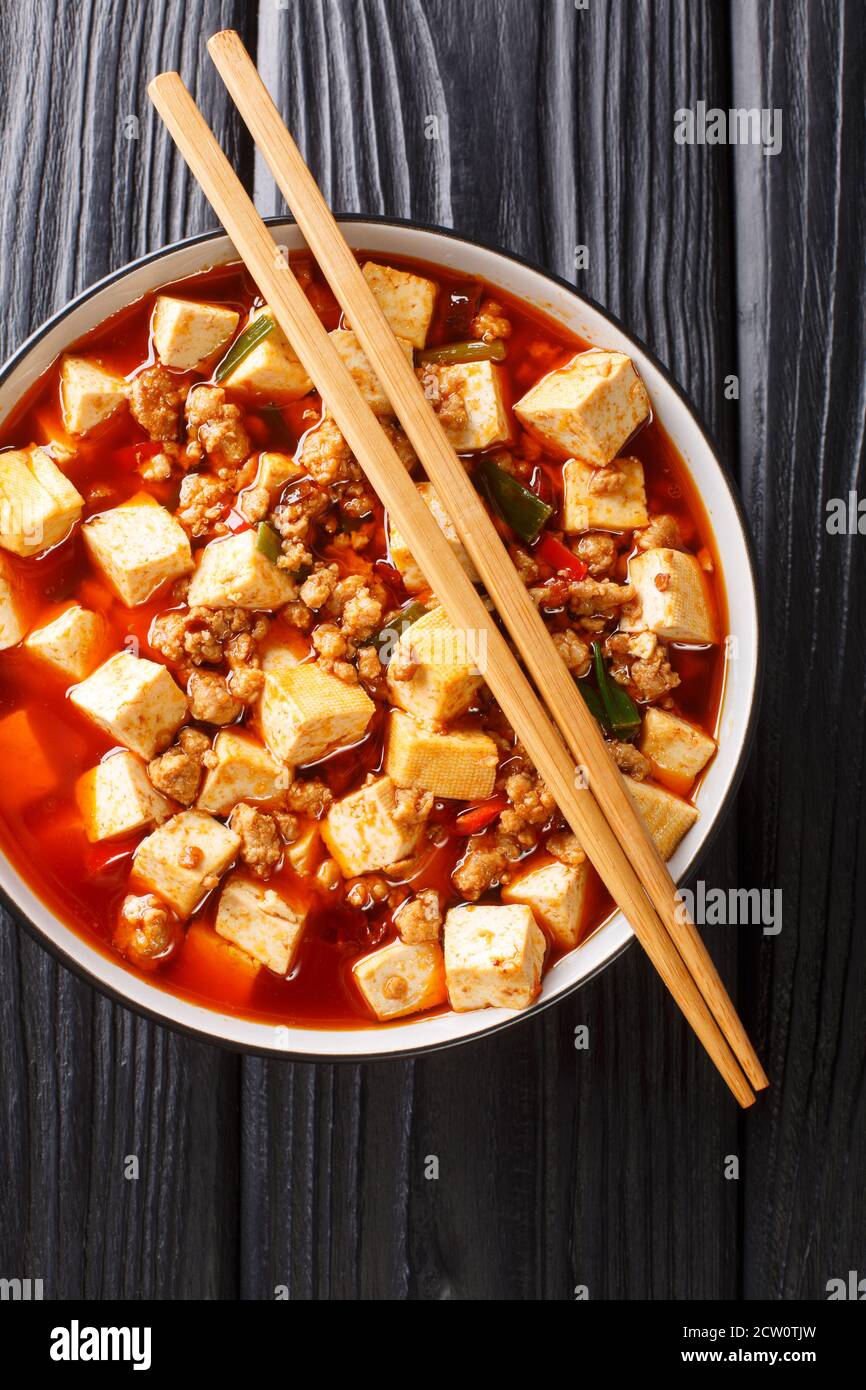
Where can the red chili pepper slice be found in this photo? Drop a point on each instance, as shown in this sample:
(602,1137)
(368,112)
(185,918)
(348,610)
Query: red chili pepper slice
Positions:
(475,818)
(559,557)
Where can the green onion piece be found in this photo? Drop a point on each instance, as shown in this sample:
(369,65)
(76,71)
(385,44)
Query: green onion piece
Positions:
(390,634)
(621,712)
(595,703)
(243,346)
(472,351)
(268,542)
(518,505)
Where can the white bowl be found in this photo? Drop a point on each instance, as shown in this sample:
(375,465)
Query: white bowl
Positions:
(740,697)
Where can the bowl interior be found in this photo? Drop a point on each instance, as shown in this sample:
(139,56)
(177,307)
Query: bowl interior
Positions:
(738,700)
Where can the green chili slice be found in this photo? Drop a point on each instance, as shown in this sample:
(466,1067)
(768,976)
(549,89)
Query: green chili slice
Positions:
(622,716)
(470,351)
(267,541)
(393,630)
(522,508)
(595,703)
(252,335)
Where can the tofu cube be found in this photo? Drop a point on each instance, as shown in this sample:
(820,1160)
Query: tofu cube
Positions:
(360,368)
(679,750)
(184,859)
(667,817)
(589,408)
(233,573)
(135,701)
(23,746)
(244,771)
(400,979)
(480,388)
(187,335)
(72,643)
(271,371)
(305,850)
(13,607)
(673,597)
(38,503)
(460,763)
(555,893)
(401,556)
(493,956)
(407,301)
(138,546)
(117,798)
(89,395)
(305,712)
(603,499)
(231,974)
(275,470)
(361,833)
(447,675)
(260,922)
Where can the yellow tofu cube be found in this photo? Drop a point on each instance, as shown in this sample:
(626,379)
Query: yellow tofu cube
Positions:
(447,673)
(271,371)
(305,850)
(38,504)
(407,301)
(260,922)
(603,499)
(360,368)
(187,335)
(361,833)
(480,389)
(679,750)
(184,859)
(244,771)
(673,597)
(72,643)
(89,395)
(138,546)
(134,700)
(305,712)
(13,607)
(493,956)
(117,798)
(400,979)
(401,556)
(233,573)
(555,893)
(667,817)
(589,408)
(460,763)
(275,470)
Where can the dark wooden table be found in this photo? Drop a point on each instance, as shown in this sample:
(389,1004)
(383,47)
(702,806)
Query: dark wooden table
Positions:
(558,1168)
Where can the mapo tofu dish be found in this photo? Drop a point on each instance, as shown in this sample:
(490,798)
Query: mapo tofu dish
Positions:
(243,747)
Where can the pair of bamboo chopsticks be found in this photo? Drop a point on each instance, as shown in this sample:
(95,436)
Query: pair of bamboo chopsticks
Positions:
(596,805)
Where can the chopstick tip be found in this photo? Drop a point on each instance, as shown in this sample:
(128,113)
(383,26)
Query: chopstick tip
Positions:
(224,38)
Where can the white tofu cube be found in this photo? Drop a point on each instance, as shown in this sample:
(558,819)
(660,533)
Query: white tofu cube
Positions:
(72,643)
(401,979)
(38,504)
(117,798)
(260,922)
(460,763)
(360,368)
(673,597)
(603,499)
(555,893)
(481,417)
(493,956)
(679,750)
(305,712)
(135,701)
(244,771)
(361,833)
(271,371)
(138,546)
(187,335)
(401,556)
(234,573)
(89,395)
(275,470)
(184,859)
(667,817)
(407,301)
(589,408)
(305,850)
(13,607)
(447,673)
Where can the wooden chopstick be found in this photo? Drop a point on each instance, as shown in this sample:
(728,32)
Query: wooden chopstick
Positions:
(297,318)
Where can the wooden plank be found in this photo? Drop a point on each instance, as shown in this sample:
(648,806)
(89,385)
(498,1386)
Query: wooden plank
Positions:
(85,1084)
(801,309)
